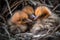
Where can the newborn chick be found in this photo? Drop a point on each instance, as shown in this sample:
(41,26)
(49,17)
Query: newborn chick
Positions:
(50,20)
(19,20)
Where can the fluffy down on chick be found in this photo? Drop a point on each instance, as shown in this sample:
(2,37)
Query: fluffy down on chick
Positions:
(19,20)
(42,12)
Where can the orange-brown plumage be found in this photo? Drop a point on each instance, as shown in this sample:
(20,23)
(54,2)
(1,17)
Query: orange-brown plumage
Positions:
(28,9)
(42,11)
(18,17)
(19,21)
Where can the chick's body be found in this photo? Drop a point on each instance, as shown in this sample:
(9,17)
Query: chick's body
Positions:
(41,12)
(48,21)
(18,20)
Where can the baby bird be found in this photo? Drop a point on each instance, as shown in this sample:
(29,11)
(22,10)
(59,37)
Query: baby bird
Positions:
(50,20)
(19,19)
(42,12)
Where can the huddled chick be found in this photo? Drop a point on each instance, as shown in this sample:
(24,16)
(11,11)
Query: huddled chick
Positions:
(21,18)
(45,19)
(18,21)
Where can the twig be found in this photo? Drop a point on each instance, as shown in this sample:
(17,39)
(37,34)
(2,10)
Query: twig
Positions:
(13,5)
(42,1)
(47,34)
(50,2)
(16,3)
(6,31)
(3,35)
(55,7)
(3,18)
(5,28)
(48,5)
(13,9)
(55,29)
(57,11)
(35,3)
(9,7)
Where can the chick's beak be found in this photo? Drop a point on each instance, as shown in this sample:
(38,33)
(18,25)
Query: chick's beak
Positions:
(32,16)
(36,18)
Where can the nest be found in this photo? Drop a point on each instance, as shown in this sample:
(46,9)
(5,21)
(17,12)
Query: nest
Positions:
(43,29)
